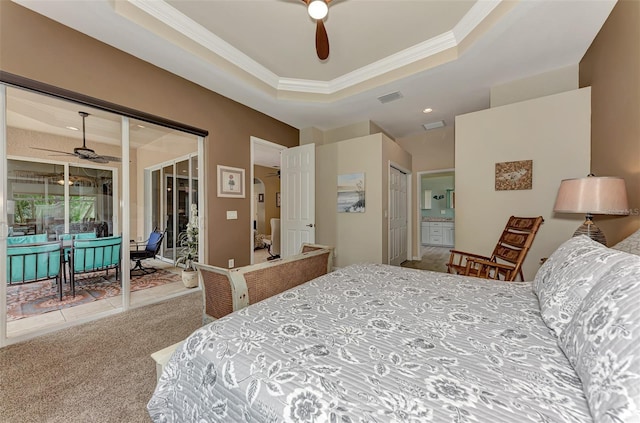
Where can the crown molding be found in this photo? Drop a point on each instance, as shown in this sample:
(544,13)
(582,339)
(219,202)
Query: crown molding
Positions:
(179,22)
(186,26)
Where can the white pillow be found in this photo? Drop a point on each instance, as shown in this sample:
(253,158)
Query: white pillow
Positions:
(630,244)
(567,277)
(602,342)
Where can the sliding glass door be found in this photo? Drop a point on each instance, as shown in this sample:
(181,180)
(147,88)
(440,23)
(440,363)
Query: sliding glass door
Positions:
(174,188)
(67,169)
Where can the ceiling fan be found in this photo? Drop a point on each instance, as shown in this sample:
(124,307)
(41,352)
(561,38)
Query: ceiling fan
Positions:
(84,152)
(276,173)
(318,10)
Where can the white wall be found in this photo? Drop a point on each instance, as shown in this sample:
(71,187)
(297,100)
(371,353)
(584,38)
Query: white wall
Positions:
(554,132)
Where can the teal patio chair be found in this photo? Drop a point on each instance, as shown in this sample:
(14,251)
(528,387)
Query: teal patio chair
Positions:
(27,239)
(66,240)
(28,263)
(92,255)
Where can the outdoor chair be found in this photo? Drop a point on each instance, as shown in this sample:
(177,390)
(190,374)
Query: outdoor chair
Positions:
(505,262)
(151,249)
(92,255)
(28,263)
(66,244)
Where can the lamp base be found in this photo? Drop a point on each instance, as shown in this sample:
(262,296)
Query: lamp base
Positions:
(590,229)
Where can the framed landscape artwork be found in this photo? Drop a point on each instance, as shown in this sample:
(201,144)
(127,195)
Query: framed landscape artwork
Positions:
(230,182)
(351,193)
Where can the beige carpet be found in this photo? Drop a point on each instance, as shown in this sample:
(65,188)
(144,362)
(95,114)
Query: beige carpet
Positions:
(96,372)
(433,258)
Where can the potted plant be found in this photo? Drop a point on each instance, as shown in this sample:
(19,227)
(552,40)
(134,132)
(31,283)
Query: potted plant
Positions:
(188,249)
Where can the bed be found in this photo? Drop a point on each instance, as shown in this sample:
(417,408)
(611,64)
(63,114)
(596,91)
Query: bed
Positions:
(377,343)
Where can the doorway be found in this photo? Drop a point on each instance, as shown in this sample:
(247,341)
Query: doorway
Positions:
(265,170)
(55,191)
(399,239)
(173,189)
(435,213)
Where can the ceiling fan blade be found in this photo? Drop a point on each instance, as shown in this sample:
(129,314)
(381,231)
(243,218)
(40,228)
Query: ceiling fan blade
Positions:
(111,158)
(322,40)
(54,151)
(98,159)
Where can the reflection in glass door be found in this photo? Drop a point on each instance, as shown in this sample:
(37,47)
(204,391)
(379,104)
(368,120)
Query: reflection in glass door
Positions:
(169,213)
(174,188)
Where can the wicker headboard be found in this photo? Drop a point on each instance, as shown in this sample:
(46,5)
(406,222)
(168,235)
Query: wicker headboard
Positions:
(228,290)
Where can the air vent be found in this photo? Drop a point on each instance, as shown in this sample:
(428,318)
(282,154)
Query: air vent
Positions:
(433,125)
(388,98)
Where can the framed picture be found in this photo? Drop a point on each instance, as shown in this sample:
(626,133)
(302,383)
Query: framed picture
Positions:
(514,175)
(230,182)
(260,198)
(351,193)
(277,199)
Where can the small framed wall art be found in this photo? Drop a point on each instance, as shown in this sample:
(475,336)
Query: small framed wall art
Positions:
(230,182)
(514,175)
(351,193)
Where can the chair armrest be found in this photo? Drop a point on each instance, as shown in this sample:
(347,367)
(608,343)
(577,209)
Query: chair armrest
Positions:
(465,254)
(488,269)
(458,260)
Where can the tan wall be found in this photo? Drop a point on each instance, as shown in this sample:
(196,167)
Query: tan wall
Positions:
(430,150)
(35,47)
(354,235)
(271,186)
(552,131)
(357,237)
(611,67)
(547,83)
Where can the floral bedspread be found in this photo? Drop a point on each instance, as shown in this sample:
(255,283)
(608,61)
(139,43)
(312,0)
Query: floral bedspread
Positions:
(376,343)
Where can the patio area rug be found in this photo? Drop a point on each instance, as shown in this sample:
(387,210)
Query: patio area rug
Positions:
(42,297)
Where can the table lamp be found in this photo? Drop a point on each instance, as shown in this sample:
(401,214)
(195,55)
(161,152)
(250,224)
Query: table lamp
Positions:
(592,195)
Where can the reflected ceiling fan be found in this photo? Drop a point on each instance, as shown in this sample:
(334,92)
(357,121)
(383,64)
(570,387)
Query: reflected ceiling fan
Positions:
(276,173)
(318,10)
(83,152)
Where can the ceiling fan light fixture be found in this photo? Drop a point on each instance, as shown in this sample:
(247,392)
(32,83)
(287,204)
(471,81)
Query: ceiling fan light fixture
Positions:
(318,9)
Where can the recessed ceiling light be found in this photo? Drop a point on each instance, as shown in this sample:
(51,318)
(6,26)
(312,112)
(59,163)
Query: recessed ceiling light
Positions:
(73,128)
(141,126)
(427,110)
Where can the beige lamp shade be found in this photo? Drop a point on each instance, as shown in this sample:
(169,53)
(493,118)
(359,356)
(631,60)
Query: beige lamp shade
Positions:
(592,195)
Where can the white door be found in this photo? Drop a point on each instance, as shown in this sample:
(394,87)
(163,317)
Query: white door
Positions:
(397,216)
(298,207)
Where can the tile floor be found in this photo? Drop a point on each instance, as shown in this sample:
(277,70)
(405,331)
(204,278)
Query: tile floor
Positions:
(433,258)
(86,312)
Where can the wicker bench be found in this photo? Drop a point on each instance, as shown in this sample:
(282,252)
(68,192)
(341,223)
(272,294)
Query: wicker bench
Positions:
(228,290)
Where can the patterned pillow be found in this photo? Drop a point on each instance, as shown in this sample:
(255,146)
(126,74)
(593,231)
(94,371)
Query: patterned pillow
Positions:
(568,276)
(602,342)
(630,244)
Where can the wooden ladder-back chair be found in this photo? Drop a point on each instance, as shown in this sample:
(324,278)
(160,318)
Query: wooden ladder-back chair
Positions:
(505,262)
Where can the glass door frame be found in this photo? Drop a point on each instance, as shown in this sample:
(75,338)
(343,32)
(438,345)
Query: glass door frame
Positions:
(122,212)
(163,188)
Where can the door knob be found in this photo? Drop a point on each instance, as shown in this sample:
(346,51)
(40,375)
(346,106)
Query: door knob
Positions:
(310,225)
